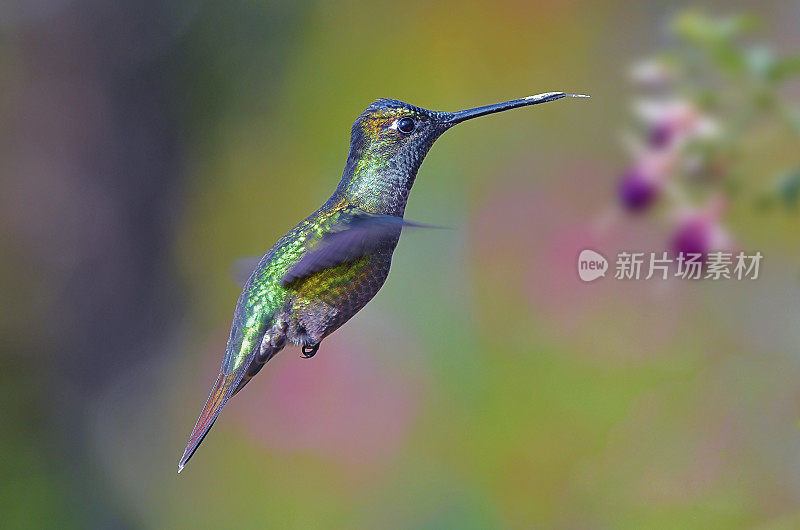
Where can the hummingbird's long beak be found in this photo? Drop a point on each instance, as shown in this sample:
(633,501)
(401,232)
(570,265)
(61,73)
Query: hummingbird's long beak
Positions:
(462,115)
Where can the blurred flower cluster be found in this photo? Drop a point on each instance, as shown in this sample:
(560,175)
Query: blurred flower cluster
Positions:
(699,103)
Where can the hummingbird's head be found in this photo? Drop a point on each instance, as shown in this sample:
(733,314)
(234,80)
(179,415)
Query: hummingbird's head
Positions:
(395,134)
(389,141)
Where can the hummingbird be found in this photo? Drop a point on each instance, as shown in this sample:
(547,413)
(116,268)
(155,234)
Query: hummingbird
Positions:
(325,269)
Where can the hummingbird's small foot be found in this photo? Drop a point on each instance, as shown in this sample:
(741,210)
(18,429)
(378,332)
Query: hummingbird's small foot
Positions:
(310,351)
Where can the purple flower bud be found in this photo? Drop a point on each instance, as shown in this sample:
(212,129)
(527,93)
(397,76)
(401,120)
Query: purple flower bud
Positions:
(695,235)
(636,190)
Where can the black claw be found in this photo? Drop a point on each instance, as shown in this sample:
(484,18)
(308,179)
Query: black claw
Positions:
(310,351)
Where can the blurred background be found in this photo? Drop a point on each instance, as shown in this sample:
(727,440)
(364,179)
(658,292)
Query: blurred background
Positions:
(145,146)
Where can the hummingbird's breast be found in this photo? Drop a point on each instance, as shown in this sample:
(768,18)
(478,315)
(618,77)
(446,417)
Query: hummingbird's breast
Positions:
(314,306)
(329,298)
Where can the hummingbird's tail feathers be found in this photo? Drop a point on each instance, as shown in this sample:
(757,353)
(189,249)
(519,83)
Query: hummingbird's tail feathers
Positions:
(220,394)
(236,371)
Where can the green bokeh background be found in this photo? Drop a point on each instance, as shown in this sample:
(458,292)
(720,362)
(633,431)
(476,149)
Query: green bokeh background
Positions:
(485,386)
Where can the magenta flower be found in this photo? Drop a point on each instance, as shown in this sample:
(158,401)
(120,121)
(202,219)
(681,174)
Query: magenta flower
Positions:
(700,233)
(637,189)
(671,123)
(693,237)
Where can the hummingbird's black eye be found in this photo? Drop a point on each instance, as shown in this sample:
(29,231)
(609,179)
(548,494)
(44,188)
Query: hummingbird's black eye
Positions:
(405,125)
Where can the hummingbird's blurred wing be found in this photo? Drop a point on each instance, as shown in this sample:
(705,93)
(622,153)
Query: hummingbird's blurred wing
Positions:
(352,237)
